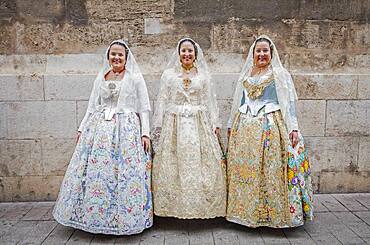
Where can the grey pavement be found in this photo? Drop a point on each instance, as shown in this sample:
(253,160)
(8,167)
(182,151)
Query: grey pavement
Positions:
(339,219)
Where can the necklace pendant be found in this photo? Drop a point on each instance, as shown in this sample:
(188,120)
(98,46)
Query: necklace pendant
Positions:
(186,82)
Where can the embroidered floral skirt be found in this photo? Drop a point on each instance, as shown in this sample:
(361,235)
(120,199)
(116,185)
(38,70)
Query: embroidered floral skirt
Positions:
(269,183)
(106,188)
(189,180)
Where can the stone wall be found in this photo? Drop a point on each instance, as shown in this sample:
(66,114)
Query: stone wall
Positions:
(51,51)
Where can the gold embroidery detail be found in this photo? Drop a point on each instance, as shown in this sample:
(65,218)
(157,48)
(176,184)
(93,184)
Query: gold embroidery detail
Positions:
(256,90)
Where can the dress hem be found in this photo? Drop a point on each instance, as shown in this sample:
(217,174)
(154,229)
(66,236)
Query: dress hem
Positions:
(244,223)
(189,217)
(106,231)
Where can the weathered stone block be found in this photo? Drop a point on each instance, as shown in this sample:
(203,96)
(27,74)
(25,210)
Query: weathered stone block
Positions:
(224,107)
(221,11)
(233,37)
(333,153)
(152,84)
(317,61)
(342,182)
(67,38)
(224,85)
(8,9)
(153,61)
(20,157)
(127,10)
(3,121)
(68,87)
(348,118)
(311,117)
(30,188)
(364,87)
(76,11)
(364,154)
(315,178)
(41,10)
(22,64)
(152,26)
(41,119)
(56,154)
(224,62)
(81,111)
(8,37)
(74,64)
(338,10)
(21,87)
(326,86)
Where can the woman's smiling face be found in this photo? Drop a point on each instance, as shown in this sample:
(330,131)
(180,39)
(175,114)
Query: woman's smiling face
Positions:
(262,54)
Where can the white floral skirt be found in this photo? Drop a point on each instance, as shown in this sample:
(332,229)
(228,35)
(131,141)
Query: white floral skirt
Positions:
(106,188)
(189,180)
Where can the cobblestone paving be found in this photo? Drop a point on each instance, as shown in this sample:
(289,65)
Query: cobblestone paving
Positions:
(339,219)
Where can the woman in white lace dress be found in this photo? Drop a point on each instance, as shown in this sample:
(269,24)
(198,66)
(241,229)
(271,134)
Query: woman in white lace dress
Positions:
(188,176)
(106,188)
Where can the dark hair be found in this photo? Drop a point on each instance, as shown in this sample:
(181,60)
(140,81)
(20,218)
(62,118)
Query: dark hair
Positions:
(192,42)
(119,43)
(262,39)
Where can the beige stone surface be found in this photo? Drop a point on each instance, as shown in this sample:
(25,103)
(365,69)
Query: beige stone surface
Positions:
(21,87)
(56,154)
(40,119)
(23,64)
(81,107)
(75,63)
(333,153)
(344,182)
(364,154)
(20,157)
(311,117)
(224,85)
(27,188)
(364,87)
(152,84)
(3,121)
(326,86)
(219,62)
(68,87)
(348,118)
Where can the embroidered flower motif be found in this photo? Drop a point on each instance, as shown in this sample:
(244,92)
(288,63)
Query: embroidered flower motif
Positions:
(306,207)
(295,180)
(292,210)
(290,175)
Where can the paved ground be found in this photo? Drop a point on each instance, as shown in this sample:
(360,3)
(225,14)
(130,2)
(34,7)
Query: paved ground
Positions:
(340,219)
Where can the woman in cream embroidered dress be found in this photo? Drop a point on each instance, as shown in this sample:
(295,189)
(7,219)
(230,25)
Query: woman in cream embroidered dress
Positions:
(106,188)
(269,181)
(188,177)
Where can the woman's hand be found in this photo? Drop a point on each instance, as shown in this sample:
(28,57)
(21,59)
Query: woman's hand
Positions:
(145,141)
(218,132)
(78,136)
(293,136)
(228,134)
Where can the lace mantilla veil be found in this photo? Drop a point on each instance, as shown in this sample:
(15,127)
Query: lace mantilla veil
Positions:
(285,90)
(133,77)
(172,71)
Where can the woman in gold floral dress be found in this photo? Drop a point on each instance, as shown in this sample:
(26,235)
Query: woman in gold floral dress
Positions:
(269,181)
(188,180)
